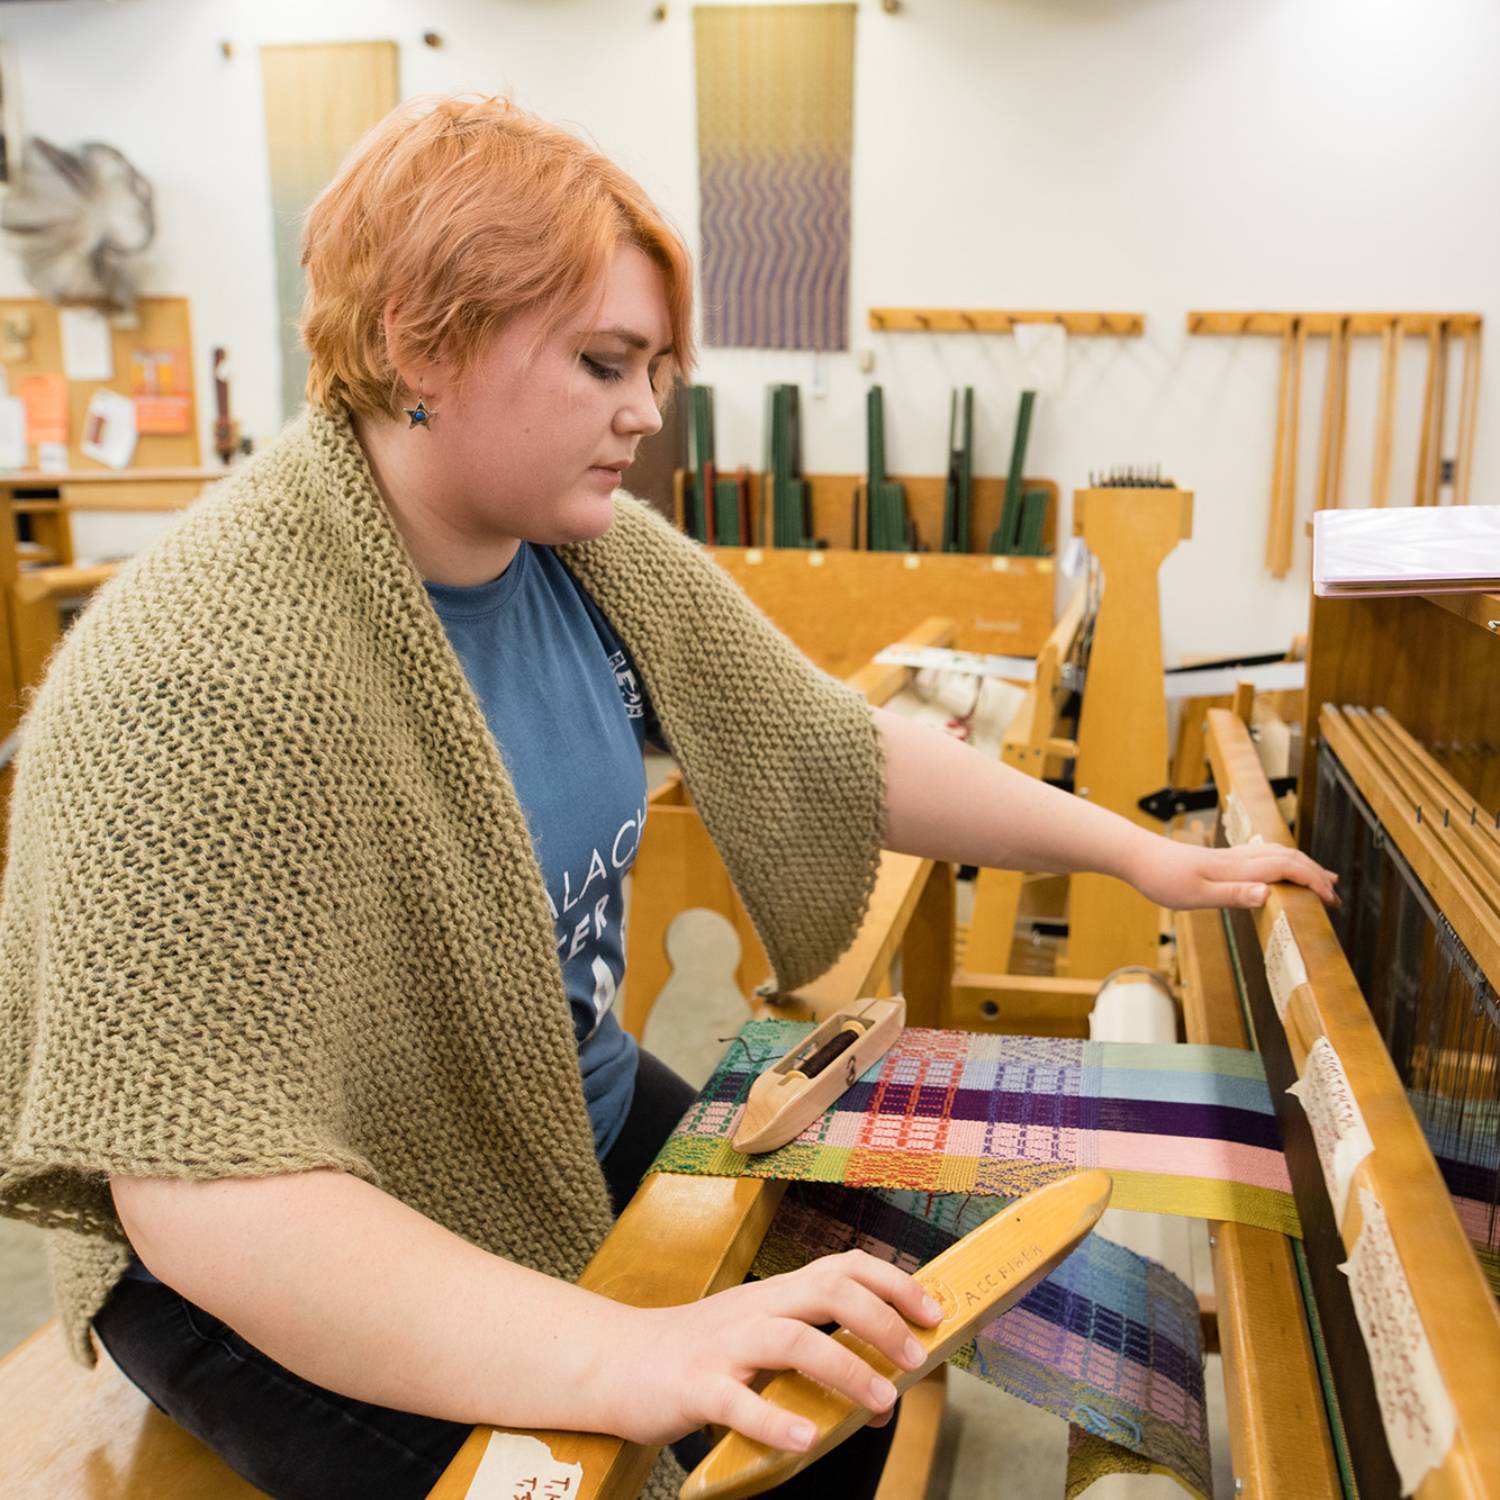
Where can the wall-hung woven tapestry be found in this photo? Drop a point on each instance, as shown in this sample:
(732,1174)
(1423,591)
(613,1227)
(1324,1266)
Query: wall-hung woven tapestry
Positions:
(319,100)
(775,143)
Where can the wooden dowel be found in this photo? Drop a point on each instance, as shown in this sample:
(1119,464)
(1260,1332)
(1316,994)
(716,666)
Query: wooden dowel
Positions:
(1278,458)
(1289,489)
(1336,487)
(1468,414)
(1330,408)
(1424,453)
(1439,420)
(1385,417)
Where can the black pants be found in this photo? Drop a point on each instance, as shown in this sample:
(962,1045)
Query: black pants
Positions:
(297,1441)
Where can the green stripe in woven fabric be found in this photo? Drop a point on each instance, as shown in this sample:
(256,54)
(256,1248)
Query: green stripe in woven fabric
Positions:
(1178,1057)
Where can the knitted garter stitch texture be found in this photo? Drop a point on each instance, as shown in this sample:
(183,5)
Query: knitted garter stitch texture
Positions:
(271,903)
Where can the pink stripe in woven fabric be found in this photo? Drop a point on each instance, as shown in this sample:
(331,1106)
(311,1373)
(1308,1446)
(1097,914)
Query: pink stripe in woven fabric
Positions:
(1191,1156)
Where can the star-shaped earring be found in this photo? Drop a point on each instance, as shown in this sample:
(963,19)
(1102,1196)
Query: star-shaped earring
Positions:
(420,416)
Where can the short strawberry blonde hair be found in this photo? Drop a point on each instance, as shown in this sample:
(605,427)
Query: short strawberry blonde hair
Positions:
(459,213)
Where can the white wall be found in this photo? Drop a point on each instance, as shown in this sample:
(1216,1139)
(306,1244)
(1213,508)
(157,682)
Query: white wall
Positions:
(1149,155)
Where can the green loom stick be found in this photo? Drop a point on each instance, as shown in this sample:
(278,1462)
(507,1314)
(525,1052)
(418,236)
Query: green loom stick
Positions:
(768,464)
(965,472)
(703,458)
(785,500)
(791,490)
(885,499)
(1033,523)
(1008,536)
(783,463)
(777,498)
(727,513)
(801,522)
(950,485)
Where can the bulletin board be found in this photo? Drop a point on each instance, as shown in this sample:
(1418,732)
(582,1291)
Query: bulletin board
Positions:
(162,328)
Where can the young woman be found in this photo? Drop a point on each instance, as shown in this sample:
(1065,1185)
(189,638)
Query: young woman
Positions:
(312,916)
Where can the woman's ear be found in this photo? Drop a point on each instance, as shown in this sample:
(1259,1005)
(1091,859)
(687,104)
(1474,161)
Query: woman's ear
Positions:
(428,379)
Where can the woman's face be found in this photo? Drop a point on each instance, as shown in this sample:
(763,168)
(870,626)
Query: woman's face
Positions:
(532,445)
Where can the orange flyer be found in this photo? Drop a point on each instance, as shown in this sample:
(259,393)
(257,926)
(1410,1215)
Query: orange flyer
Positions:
(45,398)
(160,415)
(159,382)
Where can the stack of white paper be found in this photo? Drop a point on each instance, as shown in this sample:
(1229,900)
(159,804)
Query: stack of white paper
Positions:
(1406,550)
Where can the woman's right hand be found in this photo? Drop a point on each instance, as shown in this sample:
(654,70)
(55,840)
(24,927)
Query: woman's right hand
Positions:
(696,1361)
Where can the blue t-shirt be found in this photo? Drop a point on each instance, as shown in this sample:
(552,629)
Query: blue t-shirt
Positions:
(570,716)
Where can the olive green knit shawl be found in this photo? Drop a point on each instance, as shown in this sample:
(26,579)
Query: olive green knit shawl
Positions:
(271,903)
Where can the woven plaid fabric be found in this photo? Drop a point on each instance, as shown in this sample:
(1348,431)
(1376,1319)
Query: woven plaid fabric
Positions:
(950,1126)
(1110,1341)
(1182,1129)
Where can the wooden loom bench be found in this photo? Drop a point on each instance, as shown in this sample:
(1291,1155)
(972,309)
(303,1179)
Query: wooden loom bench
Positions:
(71,1434)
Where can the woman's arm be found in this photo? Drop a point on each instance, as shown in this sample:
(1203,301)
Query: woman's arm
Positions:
(945,800)
(353,1290)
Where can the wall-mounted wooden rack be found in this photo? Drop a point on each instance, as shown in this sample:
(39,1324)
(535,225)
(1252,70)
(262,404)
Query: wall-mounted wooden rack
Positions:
(1437,329)
(1002,320)
(1321,324)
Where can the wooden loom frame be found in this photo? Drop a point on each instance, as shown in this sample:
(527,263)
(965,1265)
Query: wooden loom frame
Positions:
(1431,662)
(1279,1432)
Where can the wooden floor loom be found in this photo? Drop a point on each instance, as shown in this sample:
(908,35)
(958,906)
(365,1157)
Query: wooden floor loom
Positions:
(1280,1434)
(1422,1072)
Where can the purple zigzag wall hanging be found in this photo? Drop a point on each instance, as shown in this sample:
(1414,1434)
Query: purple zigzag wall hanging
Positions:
(775,144)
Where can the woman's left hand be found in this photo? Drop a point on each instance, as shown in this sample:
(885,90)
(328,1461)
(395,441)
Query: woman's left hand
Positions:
(1185,876)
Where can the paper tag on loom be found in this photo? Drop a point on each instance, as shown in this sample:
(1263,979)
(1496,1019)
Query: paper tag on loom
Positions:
(518,1467)
(1338,1127)
(1238,828)
(1415,1408)
(1284,967)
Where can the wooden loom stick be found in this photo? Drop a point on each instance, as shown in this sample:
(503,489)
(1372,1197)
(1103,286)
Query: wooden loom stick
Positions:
(1288,516)
(1468,413)
(1439,417)
(1330,416)
(1336,485)
(1429,394)
(1391,340)
(974,1281)
(1278,462)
